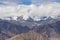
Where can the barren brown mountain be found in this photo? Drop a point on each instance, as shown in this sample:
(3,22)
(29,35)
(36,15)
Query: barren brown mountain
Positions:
(33,36)
(28,36)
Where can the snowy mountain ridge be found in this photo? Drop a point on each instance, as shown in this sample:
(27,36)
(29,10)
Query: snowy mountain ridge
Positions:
(33,18)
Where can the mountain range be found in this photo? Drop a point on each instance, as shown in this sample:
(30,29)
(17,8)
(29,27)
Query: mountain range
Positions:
(20,29)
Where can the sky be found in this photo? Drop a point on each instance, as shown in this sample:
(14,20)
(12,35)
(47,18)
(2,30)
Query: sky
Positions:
(29,8)
(28,2)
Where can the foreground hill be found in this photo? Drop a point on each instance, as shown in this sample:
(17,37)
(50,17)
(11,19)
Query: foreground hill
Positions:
(28,36)
(31,35)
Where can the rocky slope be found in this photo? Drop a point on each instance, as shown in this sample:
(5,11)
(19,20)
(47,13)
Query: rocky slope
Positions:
(30,30)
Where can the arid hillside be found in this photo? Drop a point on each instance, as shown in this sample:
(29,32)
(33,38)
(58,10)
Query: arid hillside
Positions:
(33,36)
(28,36)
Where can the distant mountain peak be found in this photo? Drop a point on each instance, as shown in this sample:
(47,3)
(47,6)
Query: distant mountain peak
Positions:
(31,19)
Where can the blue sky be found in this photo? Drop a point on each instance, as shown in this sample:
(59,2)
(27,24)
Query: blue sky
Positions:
(28,2)
(25,2)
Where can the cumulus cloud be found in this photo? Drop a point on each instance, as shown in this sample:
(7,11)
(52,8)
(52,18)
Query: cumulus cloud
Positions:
(14,10)
(51,9)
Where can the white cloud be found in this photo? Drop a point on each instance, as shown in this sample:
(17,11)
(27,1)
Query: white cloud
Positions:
(16,10)
(51,9)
